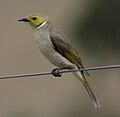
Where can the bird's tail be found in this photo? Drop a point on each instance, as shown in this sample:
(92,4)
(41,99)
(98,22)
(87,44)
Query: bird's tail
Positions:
(85,83)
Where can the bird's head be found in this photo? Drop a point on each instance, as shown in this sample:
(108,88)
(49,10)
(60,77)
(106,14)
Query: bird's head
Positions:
(35,20)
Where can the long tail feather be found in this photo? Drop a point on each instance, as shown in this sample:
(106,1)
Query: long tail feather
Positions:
(85,83)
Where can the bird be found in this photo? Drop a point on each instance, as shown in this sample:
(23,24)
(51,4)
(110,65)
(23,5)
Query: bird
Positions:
(56,47)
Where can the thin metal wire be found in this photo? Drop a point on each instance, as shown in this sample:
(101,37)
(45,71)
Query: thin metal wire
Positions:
(26,75)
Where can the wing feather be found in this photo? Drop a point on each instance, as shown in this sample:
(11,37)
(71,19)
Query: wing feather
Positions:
(63,46)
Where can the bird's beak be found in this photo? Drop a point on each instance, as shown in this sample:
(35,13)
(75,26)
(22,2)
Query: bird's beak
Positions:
(24,20)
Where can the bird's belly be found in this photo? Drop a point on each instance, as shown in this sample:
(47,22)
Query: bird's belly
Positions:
(59,60)
(53,56)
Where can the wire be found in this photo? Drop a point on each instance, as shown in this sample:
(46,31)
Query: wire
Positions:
(62,71)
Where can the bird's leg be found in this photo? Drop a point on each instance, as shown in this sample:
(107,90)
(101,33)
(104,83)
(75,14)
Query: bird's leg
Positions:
(55,72)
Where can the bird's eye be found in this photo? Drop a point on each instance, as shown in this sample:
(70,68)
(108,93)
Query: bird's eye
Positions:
(34,18)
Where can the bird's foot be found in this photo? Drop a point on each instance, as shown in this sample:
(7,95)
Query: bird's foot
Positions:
(56,72)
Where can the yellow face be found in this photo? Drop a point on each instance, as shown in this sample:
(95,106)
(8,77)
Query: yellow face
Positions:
(35,20)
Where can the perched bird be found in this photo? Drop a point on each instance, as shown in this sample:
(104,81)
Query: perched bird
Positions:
(56,47)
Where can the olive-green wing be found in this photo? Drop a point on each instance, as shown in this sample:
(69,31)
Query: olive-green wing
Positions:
(62,45)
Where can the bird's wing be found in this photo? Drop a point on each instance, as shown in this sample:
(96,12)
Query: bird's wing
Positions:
(62,46)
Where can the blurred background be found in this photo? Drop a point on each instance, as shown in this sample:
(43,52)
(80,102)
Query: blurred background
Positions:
(93,26)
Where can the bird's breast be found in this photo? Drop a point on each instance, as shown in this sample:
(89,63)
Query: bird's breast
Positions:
(44,43)
(46,47)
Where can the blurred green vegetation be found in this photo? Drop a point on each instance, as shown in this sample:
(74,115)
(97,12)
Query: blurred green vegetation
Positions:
(100,29)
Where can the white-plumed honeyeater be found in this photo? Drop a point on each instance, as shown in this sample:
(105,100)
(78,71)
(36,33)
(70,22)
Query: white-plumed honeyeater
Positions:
(56,47)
